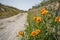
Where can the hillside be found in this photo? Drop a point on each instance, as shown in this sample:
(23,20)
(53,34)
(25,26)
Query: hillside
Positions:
(44,3)
(48,4)
(8,11)
(42,18)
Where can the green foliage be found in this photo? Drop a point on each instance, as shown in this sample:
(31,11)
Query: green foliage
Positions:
(46,26)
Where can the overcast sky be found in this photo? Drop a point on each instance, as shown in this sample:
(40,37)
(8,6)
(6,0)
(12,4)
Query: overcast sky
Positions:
(21,4)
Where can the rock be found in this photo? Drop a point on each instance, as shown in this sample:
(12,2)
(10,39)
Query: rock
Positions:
(58,32)
(2,9)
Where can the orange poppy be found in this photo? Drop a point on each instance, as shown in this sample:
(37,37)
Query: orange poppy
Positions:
(57,18)
(38,31)
(37,19)
(33,33)
(44,11)
(21,33)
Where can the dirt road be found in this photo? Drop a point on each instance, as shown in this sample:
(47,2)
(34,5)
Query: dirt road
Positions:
(12,27)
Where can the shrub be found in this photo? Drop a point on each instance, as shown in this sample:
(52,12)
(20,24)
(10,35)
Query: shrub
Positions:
(41,25)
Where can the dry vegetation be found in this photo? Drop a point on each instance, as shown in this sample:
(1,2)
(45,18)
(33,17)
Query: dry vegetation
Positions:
(8,11)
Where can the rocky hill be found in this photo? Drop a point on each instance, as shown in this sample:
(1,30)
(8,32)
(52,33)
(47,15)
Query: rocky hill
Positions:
(55,5)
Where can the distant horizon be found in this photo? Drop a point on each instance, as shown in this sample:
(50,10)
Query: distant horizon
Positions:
(21,4)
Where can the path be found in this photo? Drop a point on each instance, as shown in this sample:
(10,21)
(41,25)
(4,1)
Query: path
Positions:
(12,28)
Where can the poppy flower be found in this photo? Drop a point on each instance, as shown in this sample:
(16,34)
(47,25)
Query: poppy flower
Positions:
(44,11)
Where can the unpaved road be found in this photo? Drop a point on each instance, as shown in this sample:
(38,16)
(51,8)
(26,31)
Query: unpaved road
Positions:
(12,28)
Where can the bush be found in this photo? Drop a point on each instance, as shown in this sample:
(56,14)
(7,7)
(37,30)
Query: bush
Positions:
(41,25)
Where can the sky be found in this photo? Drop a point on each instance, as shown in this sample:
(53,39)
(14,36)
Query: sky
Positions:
(21,4)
